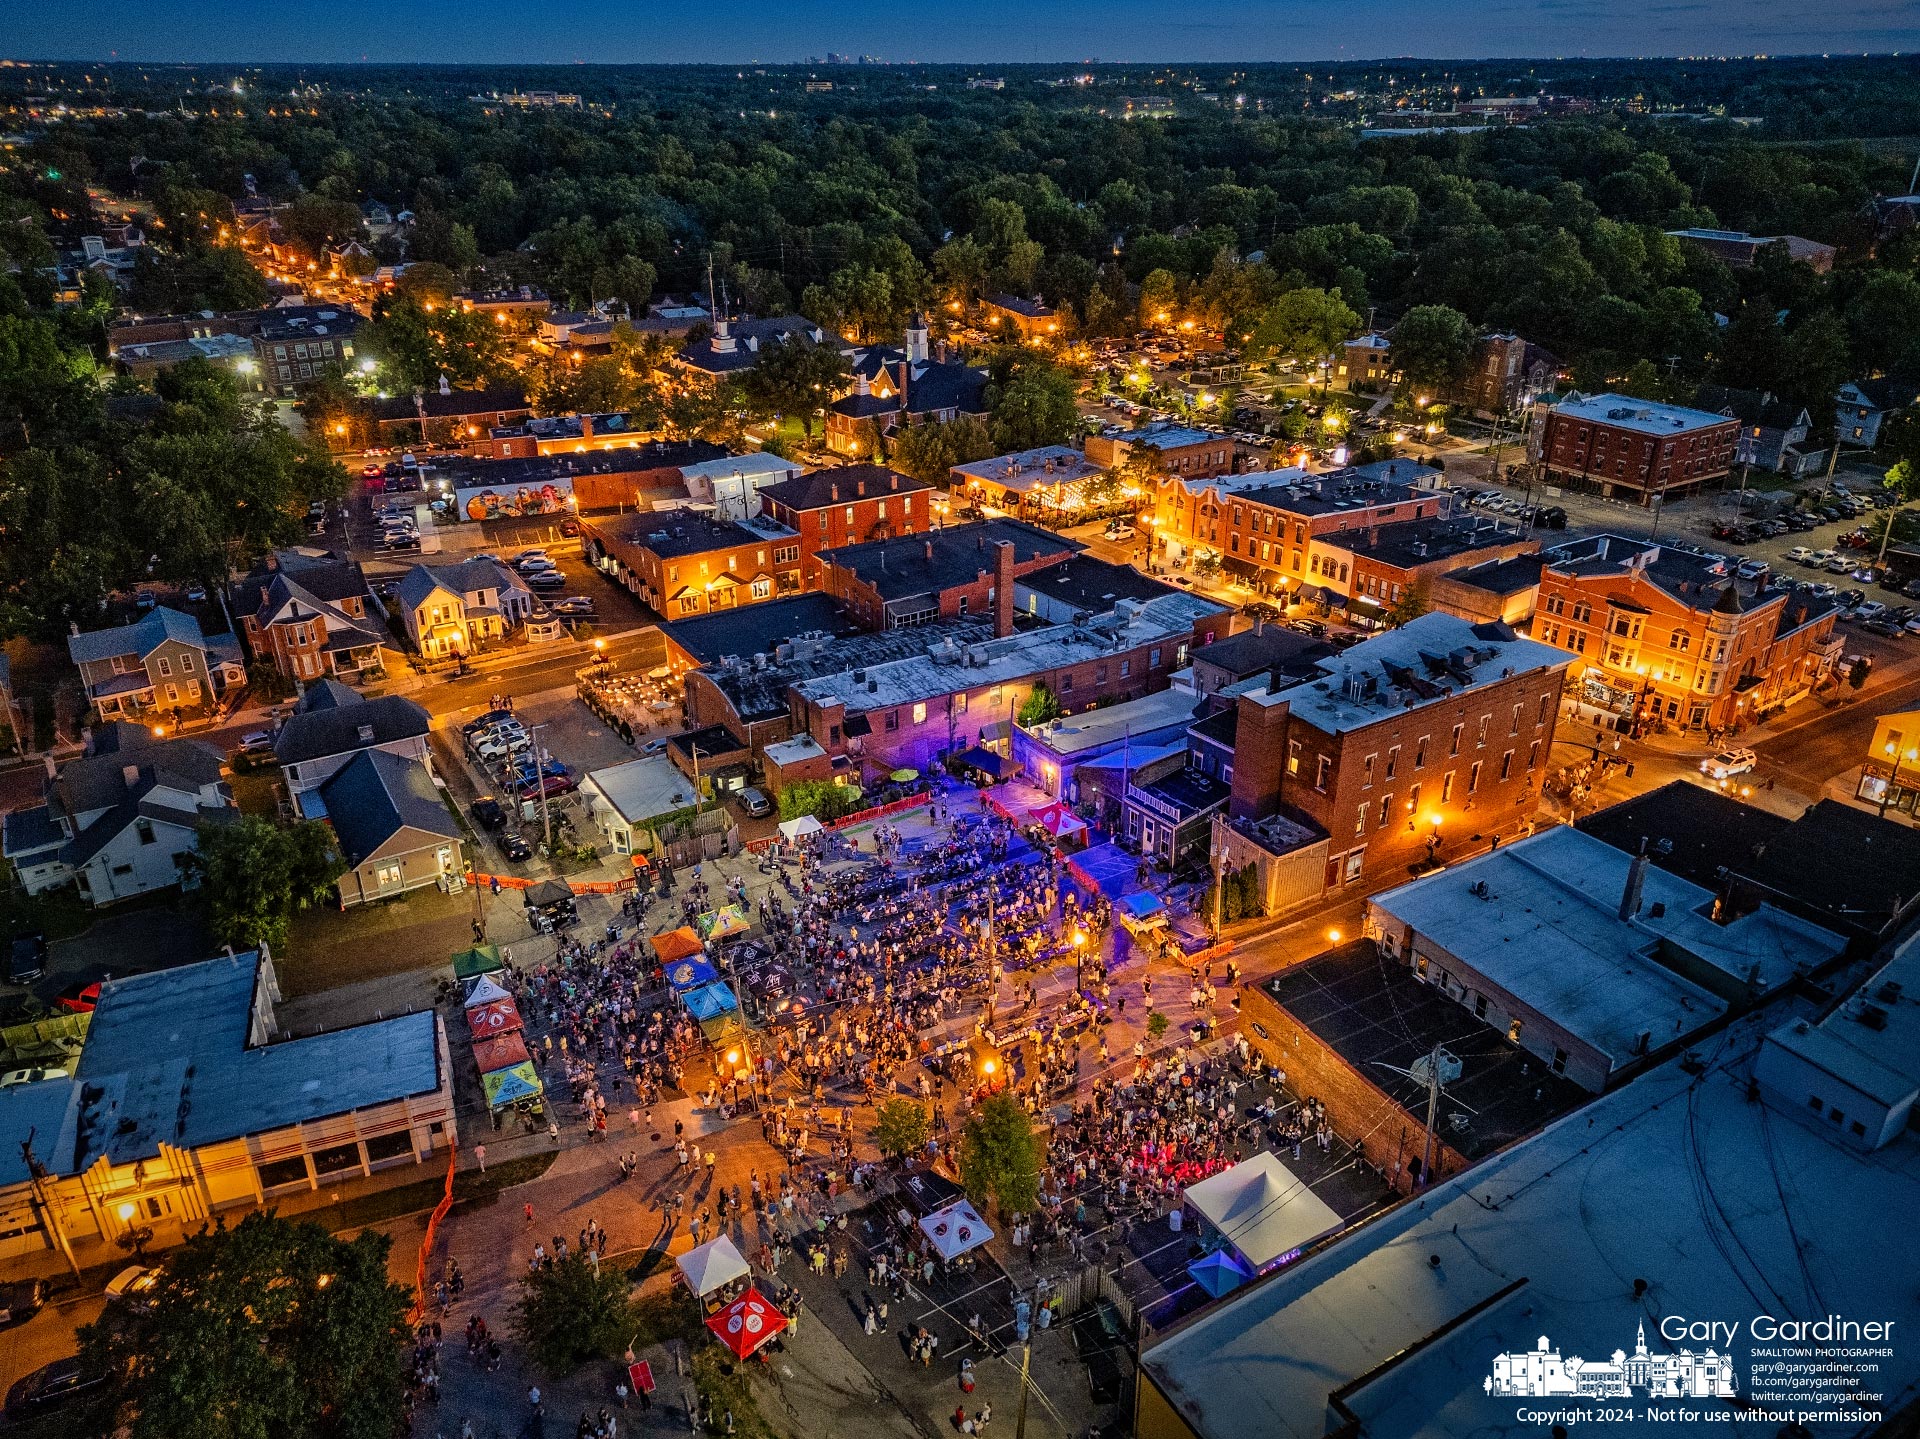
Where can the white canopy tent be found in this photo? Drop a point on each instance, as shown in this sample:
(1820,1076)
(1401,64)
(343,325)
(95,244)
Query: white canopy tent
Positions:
(1262,1209)
(791,829)
(484,991)
(713,1265)
(955,1229)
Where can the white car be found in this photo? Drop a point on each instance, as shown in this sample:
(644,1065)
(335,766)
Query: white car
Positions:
(134,1286)
(1800,555)
(31,1075)
(1728,763)
(536,565)
(536,553)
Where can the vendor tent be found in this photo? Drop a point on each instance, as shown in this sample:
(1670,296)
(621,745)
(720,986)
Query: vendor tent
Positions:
(481,959)
(499,1017)
(1262,1210)
(510,1086)
(1219,1272)
(484,990)
(747,1323)
(987,762)
(1141,910)
(676,944)
(713,1265)
(1059,821)
(955,1229)
(688,974)
(794,828)
(710,1001)
(724,922)
(501,1051)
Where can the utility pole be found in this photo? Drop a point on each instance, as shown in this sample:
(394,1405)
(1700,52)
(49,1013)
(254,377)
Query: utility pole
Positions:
(1433,1110)
(1026,1361)
(49,1212)
(1213,859)
(540,779)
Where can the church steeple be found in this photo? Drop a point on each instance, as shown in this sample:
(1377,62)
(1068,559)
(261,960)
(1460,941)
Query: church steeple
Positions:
(1640,1344)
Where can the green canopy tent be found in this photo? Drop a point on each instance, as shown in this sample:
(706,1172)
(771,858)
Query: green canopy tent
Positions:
(481,959)
(509,1086)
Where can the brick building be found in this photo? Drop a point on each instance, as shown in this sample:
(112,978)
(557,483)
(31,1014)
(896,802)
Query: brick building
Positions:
(1671,637)
(631,476)
(1365,360)
(942,574)
(1265,527)
(830,509)
(1436,730)
(682,563)
(449,415)
(1632,449)
(1177,450)
(309,615)
(1387,562)
(1505,374)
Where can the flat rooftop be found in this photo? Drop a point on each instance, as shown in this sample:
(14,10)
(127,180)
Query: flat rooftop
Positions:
(1425,659)
(1071,735)
(642,788)
(1500,577)
(1407,543)
(1547,930)
(1548,1238)
(750,630)
(1088,584)
(1388,482)
(1379,1018)
(1647,417)
(941,559)
(1037,469)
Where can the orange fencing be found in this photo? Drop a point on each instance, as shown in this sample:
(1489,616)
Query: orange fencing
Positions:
(899,806)
(426,1244)
(585,886)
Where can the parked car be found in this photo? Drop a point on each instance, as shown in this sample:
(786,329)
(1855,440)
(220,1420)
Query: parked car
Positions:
(79,998)
(32,1074)
(1885,628)
(487,813)
(527,556)
(529,565)
(573,607)
(1868,610)
(540,580)
(26,957)
(1849,663)
(1800,555)
(755,803)
(485,721)
(550,785)
(134,1286)
(1728,763)
(515,848)
(256,747)
(51,1387)
(21,1300)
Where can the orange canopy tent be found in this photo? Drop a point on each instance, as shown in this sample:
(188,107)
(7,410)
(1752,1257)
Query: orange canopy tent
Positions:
(499,1017)
(503,1051)
(677,944)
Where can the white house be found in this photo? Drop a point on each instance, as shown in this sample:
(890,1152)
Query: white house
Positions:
(333,723)
(120,821)
(733,483)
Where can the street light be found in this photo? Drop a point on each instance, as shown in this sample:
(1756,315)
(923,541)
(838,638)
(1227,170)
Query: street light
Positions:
(1893,780)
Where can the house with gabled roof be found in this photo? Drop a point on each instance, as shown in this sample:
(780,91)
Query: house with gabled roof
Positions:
(159,662)
(333,724)
(392,827)
(451,610)
(1861,406)
(895,386)
(123,819)
(309,613)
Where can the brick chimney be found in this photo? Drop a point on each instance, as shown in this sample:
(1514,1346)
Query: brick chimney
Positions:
(1259,758)
(586,427)
(904,369)
(1003,589)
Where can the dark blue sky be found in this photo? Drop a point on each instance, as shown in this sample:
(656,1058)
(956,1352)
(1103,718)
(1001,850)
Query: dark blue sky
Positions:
(641,31)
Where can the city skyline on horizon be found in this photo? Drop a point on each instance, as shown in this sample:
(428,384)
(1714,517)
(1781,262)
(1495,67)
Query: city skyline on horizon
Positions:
(600,32)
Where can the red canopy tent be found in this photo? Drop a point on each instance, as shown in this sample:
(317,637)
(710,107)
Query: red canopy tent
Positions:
(747,1323)
(498,1017)
(502,1051)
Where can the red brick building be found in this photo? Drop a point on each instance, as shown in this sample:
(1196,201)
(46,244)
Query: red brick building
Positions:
(309,615)
(830,509)
(1633,449)
(941,574)
(1434,731)
(684,564)
(1175,449)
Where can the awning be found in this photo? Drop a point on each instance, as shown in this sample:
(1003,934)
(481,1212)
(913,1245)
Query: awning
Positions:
(710,1001)
(713,1265)
(676,944)
(503,1051)
(490,1019)
(794,828)
(1315,595)
(691,973)
(485,990)
(1241,569)
(955,1229)
(747,1323)
(986,761)
(854,726)
(1360,607)
(481,959)
(510,1086)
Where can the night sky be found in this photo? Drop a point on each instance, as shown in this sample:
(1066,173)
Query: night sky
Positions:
(644,31)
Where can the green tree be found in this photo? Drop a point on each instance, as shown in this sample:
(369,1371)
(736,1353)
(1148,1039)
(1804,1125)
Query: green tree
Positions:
(572,1312)
(268,1327)
(900,1128)
(823,799)
(796,379)
(930,451)
(1040,706)
(1305,325)
(255,875)
(1033,407)
(1415,600)
(1159,298)
(200,277)
(960,269)
(420,341)
(1431,347)
(1001,1154)
(1904,480)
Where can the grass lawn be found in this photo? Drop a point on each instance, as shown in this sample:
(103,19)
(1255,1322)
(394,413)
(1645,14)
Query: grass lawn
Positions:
(328,948)
(256,794)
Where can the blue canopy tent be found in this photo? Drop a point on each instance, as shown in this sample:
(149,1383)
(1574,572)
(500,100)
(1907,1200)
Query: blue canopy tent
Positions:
(1142,908)
(692,973)
(987,762)
(1219,1272)
(709,1001)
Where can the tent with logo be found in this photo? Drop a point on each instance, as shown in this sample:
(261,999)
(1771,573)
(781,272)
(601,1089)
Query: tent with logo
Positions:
(1059,821)
(675,944)
(713,1265)
(691,973)
(710,1001)
(481,959)
(724,922)
(502,1051)
(955,1229)
(484,990)
(499,1017)
(509,1086)
(747,1323)
(1263,1210)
